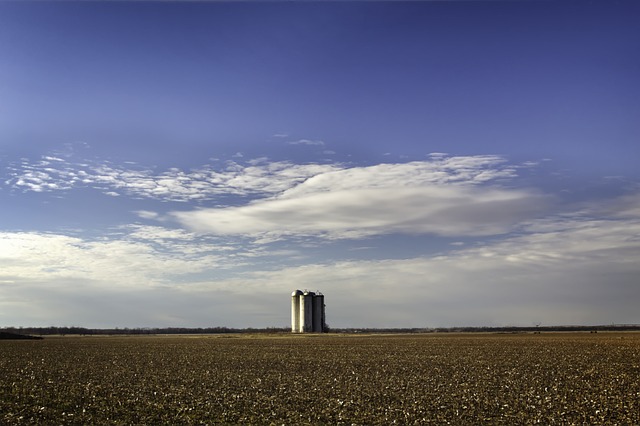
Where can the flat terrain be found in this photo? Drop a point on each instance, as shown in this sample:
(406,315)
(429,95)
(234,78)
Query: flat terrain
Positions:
(548,378)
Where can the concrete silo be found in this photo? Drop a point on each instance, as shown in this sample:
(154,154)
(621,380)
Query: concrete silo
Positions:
(295,311)
(307,312)
(318,313)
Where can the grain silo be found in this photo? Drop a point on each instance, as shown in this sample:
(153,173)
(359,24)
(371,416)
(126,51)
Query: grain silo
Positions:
(307,312)
(318,313)
(295,311)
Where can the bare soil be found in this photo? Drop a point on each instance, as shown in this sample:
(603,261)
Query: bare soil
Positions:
(548,378)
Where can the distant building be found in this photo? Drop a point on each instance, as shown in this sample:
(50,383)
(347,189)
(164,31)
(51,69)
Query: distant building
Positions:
(307,312)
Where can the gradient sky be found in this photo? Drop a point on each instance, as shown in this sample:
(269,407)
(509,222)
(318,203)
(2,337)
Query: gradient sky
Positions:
(423,164)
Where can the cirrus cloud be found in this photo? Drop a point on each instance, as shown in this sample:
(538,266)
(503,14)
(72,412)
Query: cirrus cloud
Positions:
(444,196)
(359,213)
(174,185)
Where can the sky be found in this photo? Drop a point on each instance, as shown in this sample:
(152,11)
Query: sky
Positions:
(421,163)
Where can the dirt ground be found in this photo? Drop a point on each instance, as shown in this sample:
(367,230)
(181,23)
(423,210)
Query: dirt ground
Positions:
(547,378)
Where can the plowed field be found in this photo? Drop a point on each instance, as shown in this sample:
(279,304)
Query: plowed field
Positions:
(553,378)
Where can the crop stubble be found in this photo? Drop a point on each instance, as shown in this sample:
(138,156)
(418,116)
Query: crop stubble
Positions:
(553,378)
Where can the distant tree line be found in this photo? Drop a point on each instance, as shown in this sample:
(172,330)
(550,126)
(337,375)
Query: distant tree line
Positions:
(53,330)
(507,329)
(82,331)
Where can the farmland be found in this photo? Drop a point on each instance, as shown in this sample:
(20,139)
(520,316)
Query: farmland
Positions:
(548,378)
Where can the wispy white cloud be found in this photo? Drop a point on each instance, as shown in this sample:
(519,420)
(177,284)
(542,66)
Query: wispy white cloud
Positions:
(448,196)
(145,214)
(365,212)
(438,155)
(316,142)
(133,256)
(206,183)
(443,197)
(37,256)
(257,176)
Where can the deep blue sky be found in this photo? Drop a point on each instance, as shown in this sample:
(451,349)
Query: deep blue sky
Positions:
(527,77)
(113,115)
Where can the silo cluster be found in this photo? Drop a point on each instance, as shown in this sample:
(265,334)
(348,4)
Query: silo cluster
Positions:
(307,312)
